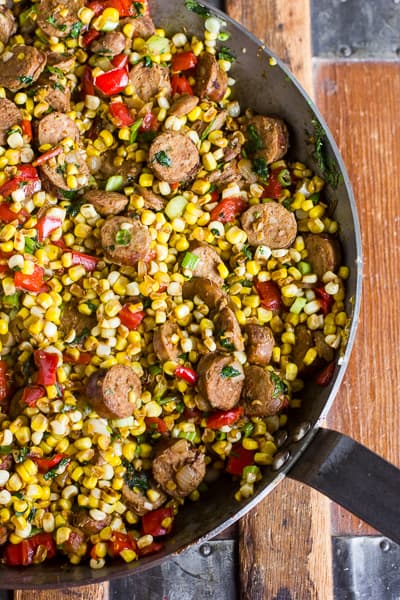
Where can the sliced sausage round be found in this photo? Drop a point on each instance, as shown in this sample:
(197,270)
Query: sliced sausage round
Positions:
(149,81)
(173,157)
(64,61)
(273,137)
(164,347)
(323,253)
(209,260)
(54,127)
(87,524)
(71,318)
(109,44)
(259,345)
(8,25)
(183,105)
(211,80)
(325,352)
(129,170)
(269,224)
(10,115)
(125,241)
(227,331)
(109,391)
(303,342)
(143,26)
(106,203)
(261,396)
(151,200)
(56,95)
(229,174)
(56,18)
(53,171)
(74,542)
(139,502)
(220,380)
(21,66)
(179,468)
(206,289)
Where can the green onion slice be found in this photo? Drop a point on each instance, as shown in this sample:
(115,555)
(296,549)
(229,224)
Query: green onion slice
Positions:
(190,261)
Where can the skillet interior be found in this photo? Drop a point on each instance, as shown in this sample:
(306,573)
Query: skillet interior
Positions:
(268,89)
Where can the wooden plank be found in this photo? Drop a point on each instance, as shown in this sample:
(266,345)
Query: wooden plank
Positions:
(360,103)
(89,592)
(284,541)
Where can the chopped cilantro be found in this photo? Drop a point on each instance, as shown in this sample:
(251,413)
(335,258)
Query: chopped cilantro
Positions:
(228,372)
(247,252)
(31,245)
(91,306)
(225,342)
(73,209)
(25,79)
(82,337)
(260,167)
(225,53)
(254,141)
(280,386)
(134,478)
(147,61)
(215,232)
(56,470)
(75,30)
(21,454)
(326,163)
(139,8)
(197,8)
(162,158)
(55,71)
(53,21)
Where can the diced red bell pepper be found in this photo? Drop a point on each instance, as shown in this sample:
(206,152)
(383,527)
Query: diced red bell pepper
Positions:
(46,225)
(45,464)
(119,542)
(227,417)
(151,548)
(87,85)
(227,210)
(270,294)
(26,127)
(7,215)
(238,459)
(325,376)
(29,283)
(152,522)
(130,319)
(46,363)
(325,299)
(4,268)
(273,188)
(156,424)
(4,380)
(121,114)
(83,359)
(183,61)
(187,374)
(32,393)
(97,6)
(149,123)
(22,554)
(26,178)
(112,82)
(180,85)
(121,60)
(86,260)
(90,36)
(46,156)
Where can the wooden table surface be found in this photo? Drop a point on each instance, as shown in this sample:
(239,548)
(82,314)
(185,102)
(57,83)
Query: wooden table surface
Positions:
(285,543)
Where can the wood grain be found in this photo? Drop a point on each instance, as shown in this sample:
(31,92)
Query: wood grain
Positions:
(360,103)
(87,592)
(284,542)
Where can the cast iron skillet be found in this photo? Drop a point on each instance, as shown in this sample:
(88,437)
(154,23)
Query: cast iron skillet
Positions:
(336,465)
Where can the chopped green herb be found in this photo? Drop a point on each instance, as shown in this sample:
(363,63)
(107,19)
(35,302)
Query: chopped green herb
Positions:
(207,130)
(58,86)
(228,372)
(246,283)
(75,30)
(215,232)
(55,71)
(260,168)
(225,342)
(287,203)
(314,198)
(31,245)
(56,470)
(162,158)
(139,8)
(32,514)
(155,369)
(60,26)
(82,337)
(167,400)
(248,429)
(5,450)
(134,130)
(325,162)
(68,195)
(280,386)
(284,178)
(247,252)
(92,306)
(147,61)
(21,454)
(25,79)
(73,209)
(134,478)
(254,141)
(123,237)
(190,261)
(197,8)
(225,53)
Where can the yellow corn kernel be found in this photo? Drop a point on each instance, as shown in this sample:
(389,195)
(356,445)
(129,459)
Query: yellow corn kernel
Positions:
(252,301)
(128,555)
(310,356)
(291,371)
(146,179)
(201,187)
(62,535)
(249,444)
(209,162)
(262,458)
(223,270)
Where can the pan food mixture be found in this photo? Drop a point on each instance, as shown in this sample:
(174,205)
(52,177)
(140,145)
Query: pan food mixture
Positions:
(168,279)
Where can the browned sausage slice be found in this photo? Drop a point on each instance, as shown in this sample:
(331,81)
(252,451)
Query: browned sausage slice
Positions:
(143,26)
(10,115)
(227,331)
(149,81)
(220,380)
(259,345)
(72,319)
(164,346)
(56,18)
(324,351)
(89,526)
(110,391)
(106,203)
(110,44)
(151,200)
(129,170)
(125,241)
(63,61)
(269,224)
(272,137)
(21,66)
(74,542)
(139,502)
(207,267)
(262,396)
(173,157)
(56,94)
(55,127)
(53,171)
(206,289)
(229,174)
(183,105)
(211,80)
(324,253)
(179,468)
(303,342)
(8,25)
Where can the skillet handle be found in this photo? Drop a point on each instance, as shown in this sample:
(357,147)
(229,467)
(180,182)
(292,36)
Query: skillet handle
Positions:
(354,477)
